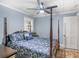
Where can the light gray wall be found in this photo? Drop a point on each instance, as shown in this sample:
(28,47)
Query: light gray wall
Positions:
(15,21)
(41,26)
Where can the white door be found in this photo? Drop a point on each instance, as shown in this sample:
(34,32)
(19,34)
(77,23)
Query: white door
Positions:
(70,32)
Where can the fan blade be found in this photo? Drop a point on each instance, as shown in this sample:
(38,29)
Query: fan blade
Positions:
(33,9)
(51,7)
(38,1)
(47,11)
(40,4)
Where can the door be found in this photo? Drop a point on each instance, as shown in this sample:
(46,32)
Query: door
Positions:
(70,32)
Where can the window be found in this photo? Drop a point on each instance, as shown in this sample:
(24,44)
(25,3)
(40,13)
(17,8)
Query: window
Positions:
(28,24)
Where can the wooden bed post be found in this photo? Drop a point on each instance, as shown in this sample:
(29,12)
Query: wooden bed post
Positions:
(57,40)
(51,35)
(57,47)
(5,31)
(58,43)
(51,30)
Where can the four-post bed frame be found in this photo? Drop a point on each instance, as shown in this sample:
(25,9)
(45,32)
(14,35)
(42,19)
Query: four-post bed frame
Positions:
(57,45)
(53,49)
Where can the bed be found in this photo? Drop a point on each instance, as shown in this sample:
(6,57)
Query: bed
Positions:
(37,47)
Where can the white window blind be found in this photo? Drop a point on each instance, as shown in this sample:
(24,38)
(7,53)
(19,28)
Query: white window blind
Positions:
(28,24)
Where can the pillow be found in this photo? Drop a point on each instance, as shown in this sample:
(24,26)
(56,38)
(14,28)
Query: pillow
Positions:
(16,36)
(28,36)
(34,34)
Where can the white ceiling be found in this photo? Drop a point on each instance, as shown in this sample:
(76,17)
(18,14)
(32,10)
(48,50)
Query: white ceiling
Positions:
(22,5)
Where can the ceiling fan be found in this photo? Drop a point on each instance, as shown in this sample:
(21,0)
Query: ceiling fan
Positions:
(42,8)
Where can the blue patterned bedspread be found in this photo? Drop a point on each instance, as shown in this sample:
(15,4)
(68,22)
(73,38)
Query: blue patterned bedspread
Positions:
(39,47)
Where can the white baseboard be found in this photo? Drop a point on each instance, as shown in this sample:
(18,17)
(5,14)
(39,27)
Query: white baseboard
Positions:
(62,45)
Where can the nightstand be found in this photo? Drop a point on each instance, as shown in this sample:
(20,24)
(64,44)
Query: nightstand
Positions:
(6,52)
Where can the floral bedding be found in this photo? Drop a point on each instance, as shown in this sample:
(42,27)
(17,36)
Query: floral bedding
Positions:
(34,48)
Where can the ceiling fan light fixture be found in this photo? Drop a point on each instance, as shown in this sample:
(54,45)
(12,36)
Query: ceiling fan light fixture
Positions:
(41,11)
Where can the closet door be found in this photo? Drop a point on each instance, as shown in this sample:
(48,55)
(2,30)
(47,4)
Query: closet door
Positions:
(70,32)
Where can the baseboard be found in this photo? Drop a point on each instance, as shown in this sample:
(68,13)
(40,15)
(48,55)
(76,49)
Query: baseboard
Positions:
(62,45)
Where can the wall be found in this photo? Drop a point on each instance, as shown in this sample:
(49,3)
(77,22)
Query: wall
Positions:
(15,21)
(41,25)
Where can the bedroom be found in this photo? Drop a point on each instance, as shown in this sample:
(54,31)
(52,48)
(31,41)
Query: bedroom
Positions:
(18,15)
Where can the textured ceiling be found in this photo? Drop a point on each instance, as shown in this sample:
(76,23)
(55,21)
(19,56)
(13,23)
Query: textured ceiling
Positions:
(63,5)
